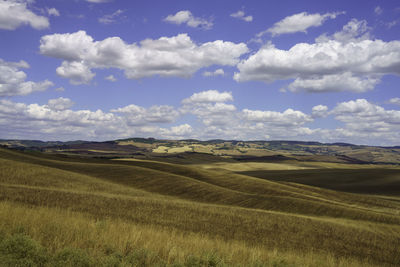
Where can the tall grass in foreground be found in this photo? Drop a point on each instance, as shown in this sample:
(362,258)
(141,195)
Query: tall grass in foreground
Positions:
(51,236)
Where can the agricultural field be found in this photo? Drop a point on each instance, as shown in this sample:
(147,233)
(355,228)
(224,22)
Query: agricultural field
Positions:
(193,209)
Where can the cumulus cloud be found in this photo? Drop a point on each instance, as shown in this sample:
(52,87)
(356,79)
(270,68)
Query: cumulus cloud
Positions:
(331,65)
(242,16)
(395,101)
(319,111)
(363,122)
(299,23)
(210,107)
(209,96)
(15,13)
(217,72)
(354,31)
(216,114)
(12,80)
(222,120)
(56,121)
(255,124)
(289,117)
(136,115)
(186,17)
(76,72)
(166,56)
(60,103)
(334,83)
(46,115)
(367,121)
(179,131)
(111,18)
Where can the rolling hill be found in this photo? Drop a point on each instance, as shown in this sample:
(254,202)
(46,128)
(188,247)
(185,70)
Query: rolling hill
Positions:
(160,212)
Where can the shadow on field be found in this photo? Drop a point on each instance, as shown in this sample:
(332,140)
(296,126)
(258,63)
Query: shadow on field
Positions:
(363,181)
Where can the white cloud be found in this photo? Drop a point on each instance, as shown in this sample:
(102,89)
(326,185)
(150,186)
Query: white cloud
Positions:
(242,16)
(363,113)
(228,123)
(334,83)
(136,115)
(367,122)
(186,17)
(34,112)
(36,120)
(289,117)
(354,31)
(363,122)
(110,18)
(221,120)
(60,103)
(76,72)
(209,96)
(217,72)
(111,78)
(14,13)
(352,66)
(179,131)
(213,113)
(209,107)
(68,46)
(166,56)
(395,101)
(12,80)
(52,12)
(378,10)
(299,23)
(55,121)
(319,111)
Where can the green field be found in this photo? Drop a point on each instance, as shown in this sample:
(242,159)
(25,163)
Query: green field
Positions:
(58,210)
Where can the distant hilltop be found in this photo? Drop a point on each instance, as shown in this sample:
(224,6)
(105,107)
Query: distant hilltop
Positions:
(217,149)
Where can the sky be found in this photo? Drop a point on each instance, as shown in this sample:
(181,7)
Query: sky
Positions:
(98,70)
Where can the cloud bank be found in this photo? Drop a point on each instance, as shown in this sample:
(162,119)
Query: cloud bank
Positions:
(346,61)
(176,56)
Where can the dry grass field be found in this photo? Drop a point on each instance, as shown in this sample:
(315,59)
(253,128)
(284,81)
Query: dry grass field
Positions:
(58,210)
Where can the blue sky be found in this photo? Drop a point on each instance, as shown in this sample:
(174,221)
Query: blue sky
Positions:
(252,70)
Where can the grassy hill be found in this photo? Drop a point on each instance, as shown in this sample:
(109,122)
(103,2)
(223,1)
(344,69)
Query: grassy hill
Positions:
(60,210)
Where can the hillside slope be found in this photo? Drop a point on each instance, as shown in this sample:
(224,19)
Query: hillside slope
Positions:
(217,205)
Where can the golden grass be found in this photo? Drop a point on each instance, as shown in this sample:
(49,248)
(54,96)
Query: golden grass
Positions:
(180,149)
(251,166)
(33,175)
(161,149)
(56,229)
(176,211)
(137,144)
